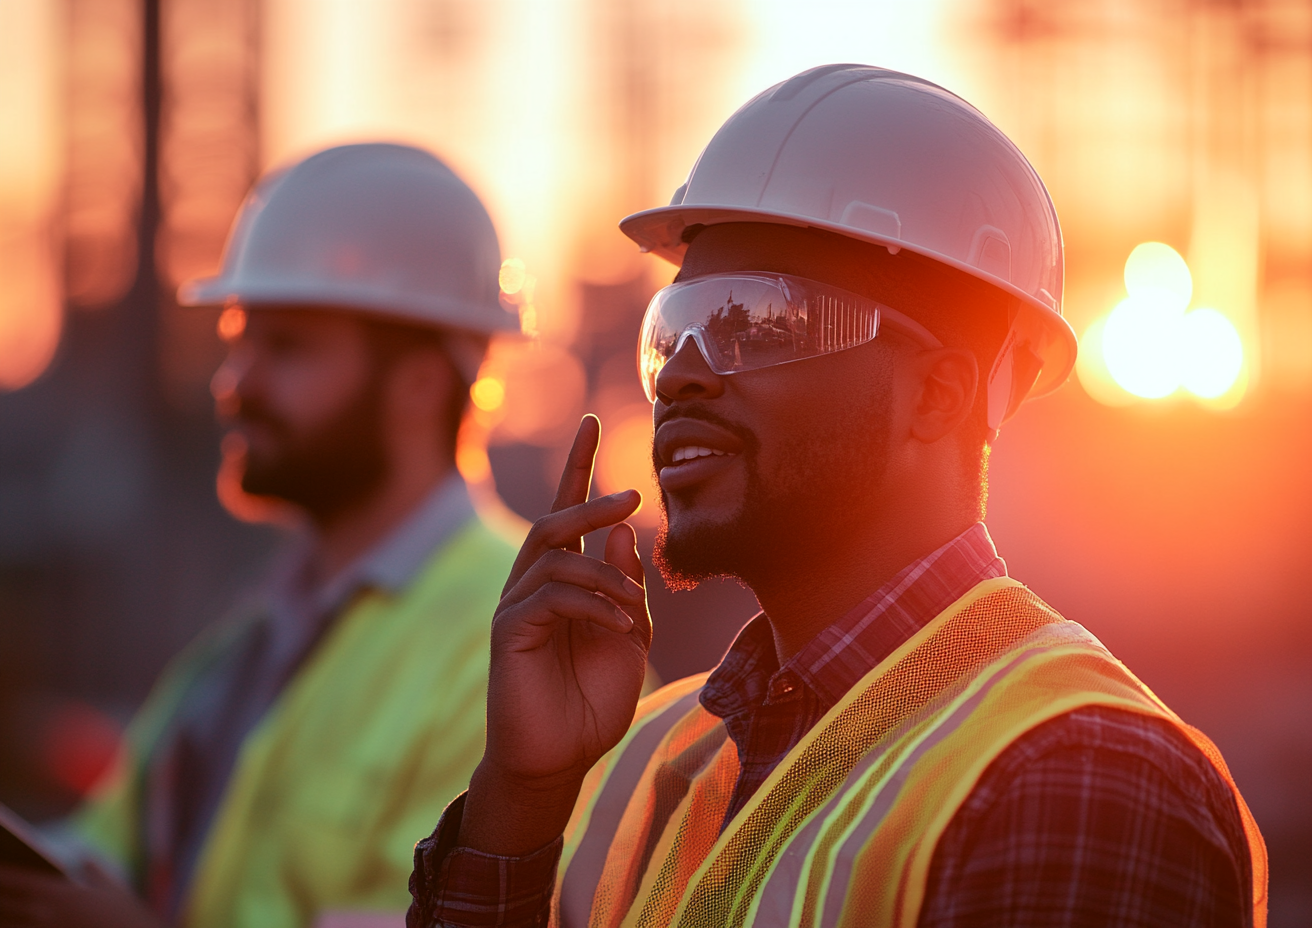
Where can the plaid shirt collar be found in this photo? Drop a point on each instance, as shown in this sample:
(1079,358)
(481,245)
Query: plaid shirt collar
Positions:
(835,660)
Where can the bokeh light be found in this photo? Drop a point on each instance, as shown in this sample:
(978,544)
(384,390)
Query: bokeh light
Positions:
(488,393)
(1156,271)
(544,387)
(232,322)
(1140,346)
(1211,353)
(79,744)
(1150,346)
(511,277)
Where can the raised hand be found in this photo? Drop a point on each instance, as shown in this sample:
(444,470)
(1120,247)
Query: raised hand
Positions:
(569,650)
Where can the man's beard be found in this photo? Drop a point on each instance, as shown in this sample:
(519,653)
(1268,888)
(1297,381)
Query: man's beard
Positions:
(329,469)
(815,502)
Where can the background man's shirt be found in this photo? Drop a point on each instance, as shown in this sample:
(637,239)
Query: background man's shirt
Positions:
(195,760)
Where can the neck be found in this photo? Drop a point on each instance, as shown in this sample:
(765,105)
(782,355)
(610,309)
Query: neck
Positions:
(346,534)
(815,585)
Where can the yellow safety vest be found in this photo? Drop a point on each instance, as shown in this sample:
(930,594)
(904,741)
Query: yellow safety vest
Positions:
(843,831)
(352,765)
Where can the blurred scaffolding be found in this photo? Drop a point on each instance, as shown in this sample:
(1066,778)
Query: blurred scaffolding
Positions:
(1173,527)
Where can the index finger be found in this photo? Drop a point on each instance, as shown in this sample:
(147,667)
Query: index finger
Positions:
(565,529)
(577,475)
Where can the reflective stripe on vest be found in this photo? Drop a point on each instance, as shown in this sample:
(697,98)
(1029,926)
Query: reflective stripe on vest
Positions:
(843,831)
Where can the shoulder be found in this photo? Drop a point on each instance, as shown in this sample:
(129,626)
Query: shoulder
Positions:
(1134,759)
(476,559)
(1101,809)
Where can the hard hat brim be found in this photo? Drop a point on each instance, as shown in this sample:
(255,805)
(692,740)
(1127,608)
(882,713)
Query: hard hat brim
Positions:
(218,291)
(660,231)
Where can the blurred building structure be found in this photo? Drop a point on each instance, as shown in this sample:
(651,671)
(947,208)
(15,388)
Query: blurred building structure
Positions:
(1173,528)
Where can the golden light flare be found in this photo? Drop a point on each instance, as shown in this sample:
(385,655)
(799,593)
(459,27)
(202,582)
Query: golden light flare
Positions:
(542,390)
(624,459)
(488,393)
(232,322)
(512,276)
(472,462)
(1151,345)
(1212,353)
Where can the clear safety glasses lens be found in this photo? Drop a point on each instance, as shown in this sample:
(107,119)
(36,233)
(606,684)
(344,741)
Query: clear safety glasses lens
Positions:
(743,322)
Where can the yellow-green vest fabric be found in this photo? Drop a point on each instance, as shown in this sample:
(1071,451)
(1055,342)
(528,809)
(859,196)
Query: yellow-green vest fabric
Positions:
(354,762)
(842,833)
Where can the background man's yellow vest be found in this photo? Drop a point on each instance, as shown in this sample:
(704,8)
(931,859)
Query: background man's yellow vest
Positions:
(352,765)
(843,831)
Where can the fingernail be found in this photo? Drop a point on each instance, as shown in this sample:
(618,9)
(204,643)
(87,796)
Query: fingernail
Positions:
(625,622)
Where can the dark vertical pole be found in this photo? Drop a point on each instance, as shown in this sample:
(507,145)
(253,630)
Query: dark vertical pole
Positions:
(141,319)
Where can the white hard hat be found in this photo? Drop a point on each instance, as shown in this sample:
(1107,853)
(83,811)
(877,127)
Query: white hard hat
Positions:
(891,159)
(380,228)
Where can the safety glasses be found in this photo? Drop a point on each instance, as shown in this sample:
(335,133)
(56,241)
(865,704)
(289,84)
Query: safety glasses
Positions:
(743,322)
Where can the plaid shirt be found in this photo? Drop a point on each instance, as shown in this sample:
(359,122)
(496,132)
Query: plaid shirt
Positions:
(1098,817)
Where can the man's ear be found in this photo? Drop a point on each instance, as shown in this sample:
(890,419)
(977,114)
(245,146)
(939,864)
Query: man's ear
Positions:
(949,379)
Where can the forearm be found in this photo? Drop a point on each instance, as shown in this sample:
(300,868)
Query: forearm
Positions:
(459,887)
(510,818)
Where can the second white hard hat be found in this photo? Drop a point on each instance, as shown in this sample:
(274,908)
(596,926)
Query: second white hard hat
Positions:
(380,228)
(891,159)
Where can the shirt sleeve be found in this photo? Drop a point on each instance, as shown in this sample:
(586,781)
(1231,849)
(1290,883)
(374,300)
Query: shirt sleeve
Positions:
(458,887)
(1099,817)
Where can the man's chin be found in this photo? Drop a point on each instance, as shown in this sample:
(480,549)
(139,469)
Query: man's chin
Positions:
(689,554)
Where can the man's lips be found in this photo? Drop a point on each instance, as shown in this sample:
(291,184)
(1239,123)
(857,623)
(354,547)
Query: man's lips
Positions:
(689,451)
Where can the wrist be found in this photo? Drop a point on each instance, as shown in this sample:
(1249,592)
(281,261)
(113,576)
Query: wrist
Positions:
(513,816)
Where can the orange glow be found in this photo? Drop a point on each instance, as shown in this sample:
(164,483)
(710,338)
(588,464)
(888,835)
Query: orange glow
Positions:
(624,458)
(30,168)
(488,393)
(102,179)
(232,322)
(241,505)
(472,462)
(544,387)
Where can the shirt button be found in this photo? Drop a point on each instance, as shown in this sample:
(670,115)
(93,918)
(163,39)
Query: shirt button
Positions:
(783,687)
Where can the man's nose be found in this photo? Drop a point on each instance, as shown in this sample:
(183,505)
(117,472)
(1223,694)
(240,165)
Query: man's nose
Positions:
(687,376)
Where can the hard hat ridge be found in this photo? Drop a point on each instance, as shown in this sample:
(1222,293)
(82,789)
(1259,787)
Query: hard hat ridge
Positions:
(894,160)
(377,227)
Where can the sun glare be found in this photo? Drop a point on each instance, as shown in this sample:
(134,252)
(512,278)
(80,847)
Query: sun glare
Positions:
(1212,353)
(1152,345)
(1156,271)
(1139,346)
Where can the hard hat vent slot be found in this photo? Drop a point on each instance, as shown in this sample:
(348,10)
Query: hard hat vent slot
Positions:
(873,219)
(991,252)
